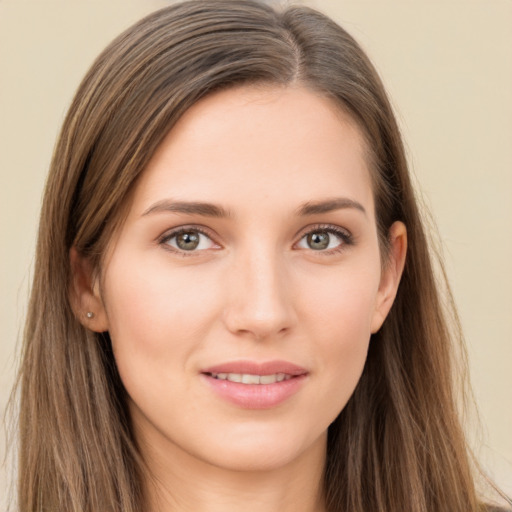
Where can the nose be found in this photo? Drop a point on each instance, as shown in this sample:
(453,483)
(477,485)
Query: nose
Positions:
(259,297)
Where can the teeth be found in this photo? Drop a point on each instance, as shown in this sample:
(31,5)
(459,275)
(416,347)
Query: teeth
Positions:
(250,379)
(247,378)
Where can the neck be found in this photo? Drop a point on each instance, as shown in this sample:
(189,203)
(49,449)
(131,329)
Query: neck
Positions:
(179,482)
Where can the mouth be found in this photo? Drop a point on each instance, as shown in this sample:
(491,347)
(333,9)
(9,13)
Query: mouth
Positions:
(252,385)
(249,378)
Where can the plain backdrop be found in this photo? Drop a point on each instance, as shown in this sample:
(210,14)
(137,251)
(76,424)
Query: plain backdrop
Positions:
(447,66)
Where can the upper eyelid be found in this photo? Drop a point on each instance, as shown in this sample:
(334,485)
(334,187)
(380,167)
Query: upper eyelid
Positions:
(323,227)
(169,233)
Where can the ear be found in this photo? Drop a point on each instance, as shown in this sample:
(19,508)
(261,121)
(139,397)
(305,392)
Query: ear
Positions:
(391,274)
(85,294)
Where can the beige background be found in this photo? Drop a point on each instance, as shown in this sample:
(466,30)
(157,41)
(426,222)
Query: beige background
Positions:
(448,67)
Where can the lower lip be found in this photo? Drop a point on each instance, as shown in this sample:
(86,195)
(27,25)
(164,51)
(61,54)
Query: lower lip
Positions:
(256,396)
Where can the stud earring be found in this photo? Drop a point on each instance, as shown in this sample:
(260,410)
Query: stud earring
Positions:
(89,314)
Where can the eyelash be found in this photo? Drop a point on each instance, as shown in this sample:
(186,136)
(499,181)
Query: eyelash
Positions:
(345,236)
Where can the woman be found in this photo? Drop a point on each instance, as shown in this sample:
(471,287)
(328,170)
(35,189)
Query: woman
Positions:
(233,303)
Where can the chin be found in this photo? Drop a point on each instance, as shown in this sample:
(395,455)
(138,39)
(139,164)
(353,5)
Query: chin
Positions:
(268,453)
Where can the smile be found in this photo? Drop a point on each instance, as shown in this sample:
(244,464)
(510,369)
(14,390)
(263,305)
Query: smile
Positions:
(255,385)
(248,378)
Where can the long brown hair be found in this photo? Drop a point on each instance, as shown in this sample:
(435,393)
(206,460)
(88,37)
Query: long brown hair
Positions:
(398,444)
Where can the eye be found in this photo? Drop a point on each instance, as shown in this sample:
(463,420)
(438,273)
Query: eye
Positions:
(188,240)
(325,239)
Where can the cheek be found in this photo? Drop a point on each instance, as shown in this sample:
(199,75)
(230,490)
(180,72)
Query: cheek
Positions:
(342,302)
(153,313)
(156,327)
(340,313)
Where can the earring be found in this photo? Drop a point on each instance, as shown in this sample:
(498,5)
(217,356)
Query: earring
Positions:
(89,314)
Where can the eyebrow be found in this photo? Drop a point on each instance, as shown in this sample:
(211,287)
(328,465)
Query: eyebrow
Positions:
(329,205)
(213,210)
(188,207)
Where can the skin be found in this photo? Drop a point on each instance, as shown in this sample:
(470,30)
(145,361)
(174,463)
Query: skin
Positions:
(254,289)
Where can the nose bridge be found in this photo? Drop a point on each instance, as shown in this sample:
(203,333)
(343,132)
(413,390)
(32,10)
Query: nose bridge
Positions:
(259,294)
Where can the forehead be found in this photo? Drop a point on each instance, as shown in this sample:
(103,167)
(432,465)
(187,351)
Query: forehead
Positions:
(282,145)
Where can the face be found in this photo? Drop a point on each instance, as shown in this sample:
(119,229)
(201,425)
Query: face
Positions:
(242,290)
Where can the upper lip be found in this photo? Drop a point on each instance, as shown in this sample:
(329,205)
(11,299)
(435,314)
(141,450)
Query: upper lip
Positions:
(257,368)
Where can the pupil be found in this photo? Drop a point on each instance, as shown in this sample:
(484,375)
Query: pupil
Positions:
(318,241)
(187,241)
